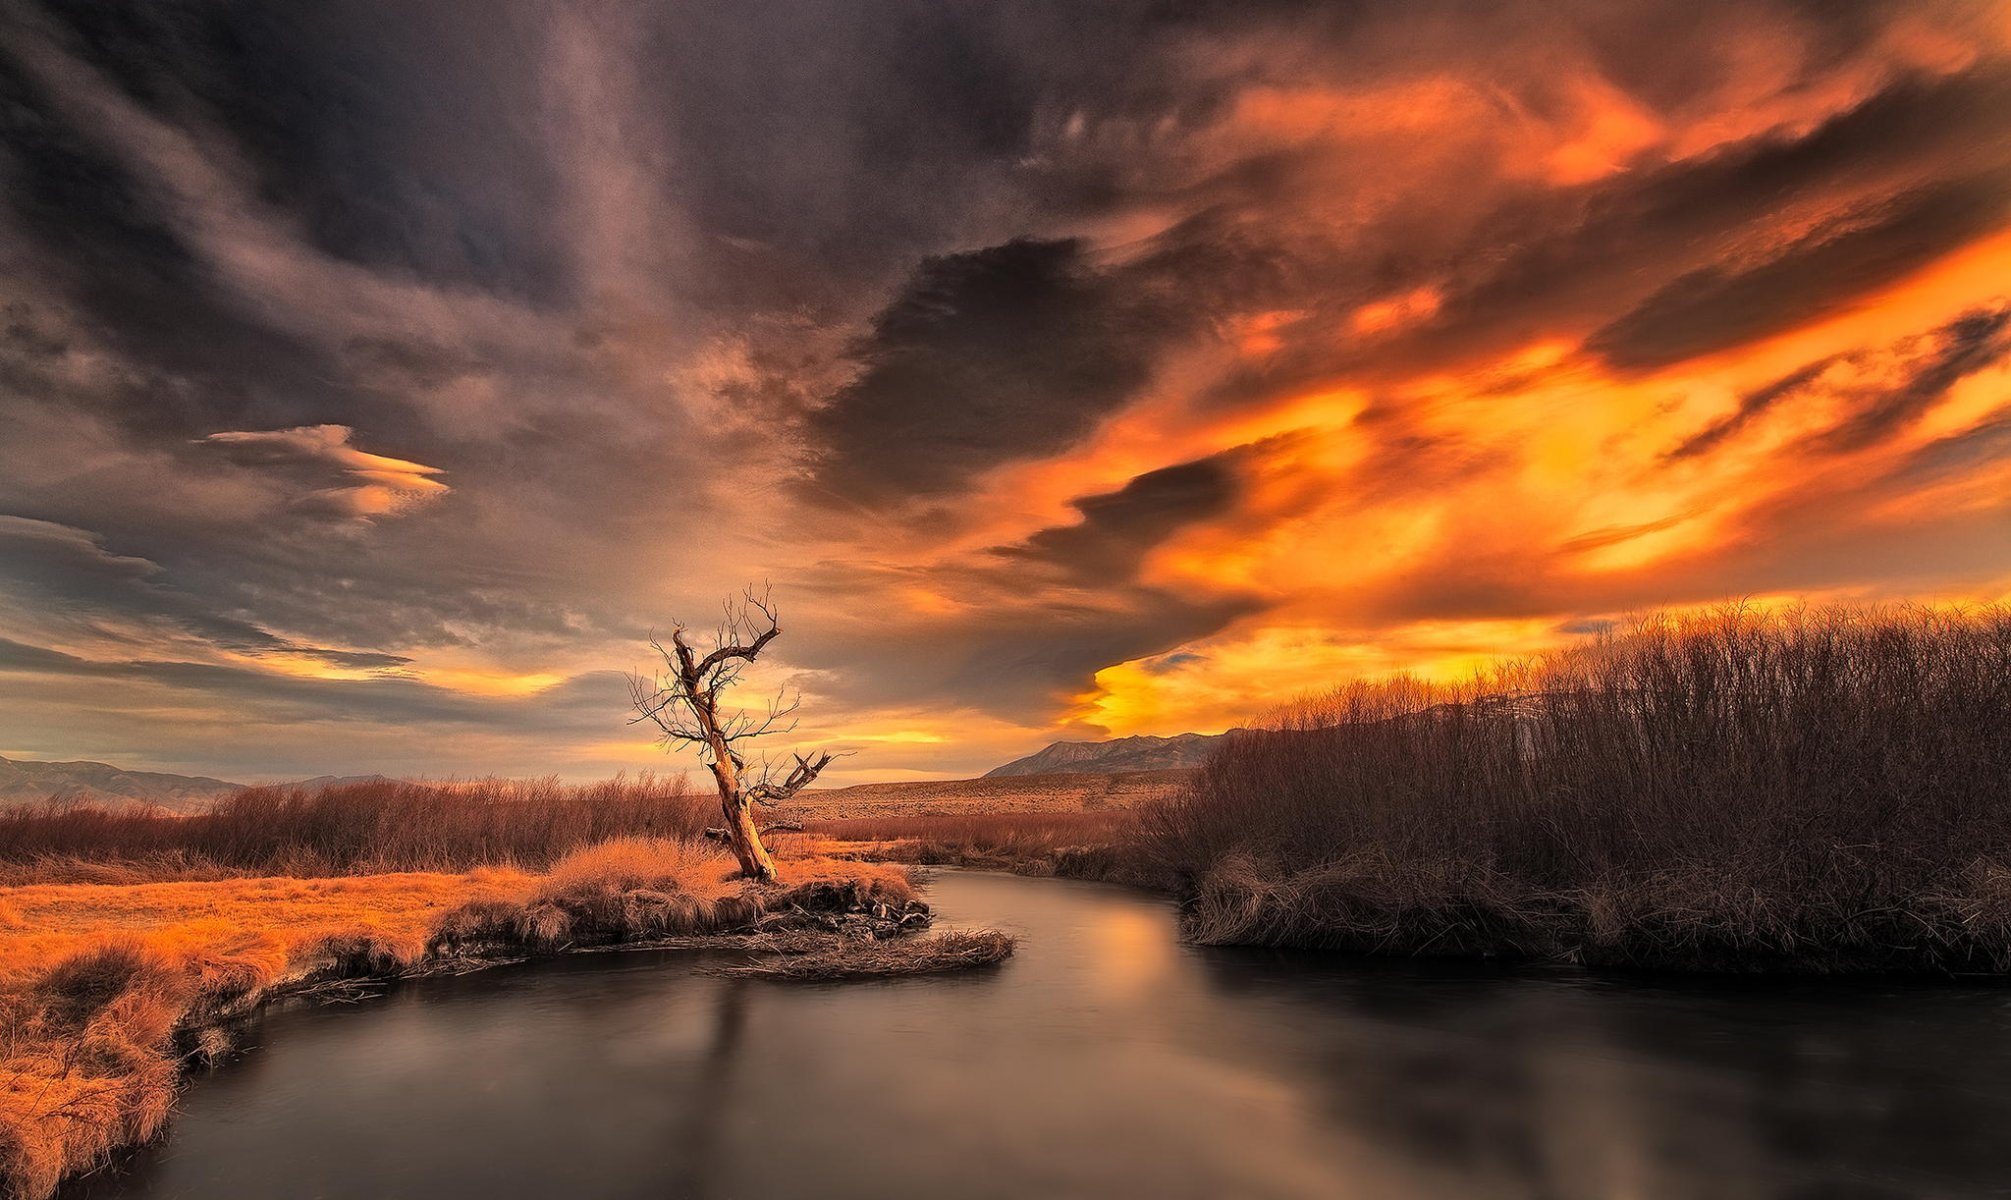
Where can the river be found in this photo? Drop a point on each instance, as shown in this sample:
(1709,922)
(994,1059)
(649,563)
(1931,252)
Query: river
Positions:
(1106,1059)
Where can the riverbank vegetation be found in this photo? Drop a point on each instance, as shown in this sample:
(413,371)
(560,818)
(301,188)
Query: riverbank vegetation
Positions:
(1745,791)
(361,828)
(129,943)
(1101,844)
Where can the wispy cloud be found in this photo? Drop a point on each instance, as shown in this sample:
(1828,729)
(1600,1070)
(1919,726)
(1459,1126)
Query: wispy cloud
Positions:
(337,477)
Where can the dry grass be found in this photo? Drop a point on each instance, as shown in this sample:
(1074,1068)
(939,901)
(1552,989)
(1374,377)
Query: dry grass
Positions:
(264,919)
(1059,793)
(1099,845)
(365,828)
(955,950)
(1819,791)
(106,990)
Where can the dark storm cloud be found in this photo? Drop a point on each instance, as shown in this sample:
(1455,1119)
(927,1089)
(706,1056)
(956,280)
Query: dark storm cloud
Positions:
(1013,664)
(383,128)
(1004,658)
(1000,354)
(1751,406)
(1118,528)
(1961,348)
(88,226)
(1639,219)
(1716,308)
(1052,610)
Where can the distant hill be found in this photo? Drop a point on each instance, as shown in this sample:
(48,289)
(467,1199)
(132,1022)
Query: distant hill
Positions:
(1142,753)
(321,783)
(23,782)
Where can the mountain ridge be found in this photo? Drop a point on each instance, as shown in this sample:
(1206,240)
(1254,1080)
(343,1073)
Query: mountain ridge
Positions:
(24,781)
(30,781)
(1140,752)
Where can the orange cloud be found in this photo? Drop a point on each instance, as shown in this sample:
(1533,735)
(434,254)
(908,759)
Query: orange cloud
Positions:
(366,485)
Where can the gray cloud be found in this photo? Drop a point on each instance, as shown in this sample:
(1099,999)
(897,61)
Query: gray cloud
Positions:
(1714,308)
(1118,528)
(1006,353)
(54,571)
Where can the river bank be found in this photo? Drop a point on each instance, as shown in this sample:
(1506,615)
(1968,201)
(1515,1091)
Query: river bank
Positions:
(109,991)
(1108,1057)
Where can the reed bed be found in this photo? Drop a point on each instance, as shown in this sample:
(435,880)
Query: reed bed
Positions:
(361,828)
(1746,791)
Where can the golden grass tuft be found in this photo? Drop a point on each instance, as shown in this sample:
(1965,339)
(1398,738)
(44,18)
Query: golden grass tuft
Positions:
(654,863)
(881,882)
(86,1070)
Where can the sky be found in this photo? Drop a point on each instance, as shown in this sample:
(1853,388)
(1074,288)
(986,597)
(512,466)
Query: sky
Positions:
(376,378)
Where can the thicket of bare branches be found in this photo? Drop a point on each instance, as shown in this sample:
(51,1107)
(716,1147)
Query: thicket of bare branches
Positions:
(1744,790)
(354,828)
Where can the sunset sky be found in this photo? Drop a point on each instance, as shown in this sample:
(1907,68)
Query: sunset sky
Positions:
(374,377)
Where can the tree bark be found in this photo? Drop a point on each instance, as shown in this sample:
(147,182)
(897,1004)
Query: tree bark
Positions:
(746,840)
(739,813)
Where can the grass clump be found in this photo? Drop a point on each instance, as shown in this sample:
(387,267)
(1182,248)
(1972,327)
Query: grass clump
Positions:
(620,891)
(85,1072)
(1745,791)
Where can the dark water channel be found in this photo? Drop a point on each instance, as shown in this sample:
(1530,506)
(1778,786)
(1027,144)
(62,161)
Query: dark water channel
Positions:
(1107,1059)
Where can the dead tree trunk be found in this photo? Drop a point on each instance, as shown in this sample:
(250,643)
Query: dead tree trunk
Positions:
(682,701)
(738,812)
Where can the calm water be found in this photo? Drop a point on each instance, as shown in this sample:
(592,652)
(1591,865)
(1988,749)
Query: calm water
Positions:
(1105,1060)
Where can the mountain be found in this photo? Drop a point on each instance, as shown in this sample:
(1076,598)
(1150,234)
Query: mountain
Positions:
(321,783)
(23,782)
(1141,753)
(27,782)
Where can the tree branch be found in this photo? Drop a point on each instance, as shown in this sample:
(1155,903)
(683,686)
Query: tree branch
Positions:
(800,776)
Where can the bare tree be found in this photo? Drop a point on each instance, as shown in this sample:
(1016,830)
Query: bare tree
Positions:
(682,701)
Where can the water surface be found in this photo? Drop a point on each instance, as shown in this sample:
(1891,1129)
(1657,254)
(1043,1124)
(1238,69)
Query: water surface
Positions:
(1105,1060)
